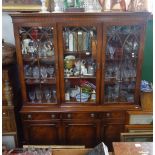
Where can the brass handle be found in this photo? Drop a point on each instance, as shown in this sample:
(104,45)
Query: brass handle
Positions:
(92,115)
(108,114)
(29,116)
(53,116)
(69,115)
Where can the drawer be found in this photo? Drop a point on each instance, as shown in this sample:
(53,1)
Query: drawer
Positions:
(80,115)
(114,121)
(114,115)
(5,113)
(40,116)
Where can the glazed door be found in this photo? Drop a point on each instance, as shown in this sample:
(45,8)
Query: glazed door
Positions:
(38,64)
(122,61)
(80,46)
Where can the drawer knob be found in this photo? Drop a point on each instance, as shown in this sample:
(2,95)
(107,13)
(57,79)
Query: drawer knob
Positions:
(108,114)
(29,116)
(53,116)
(4,113)
(68,115)
(92,115)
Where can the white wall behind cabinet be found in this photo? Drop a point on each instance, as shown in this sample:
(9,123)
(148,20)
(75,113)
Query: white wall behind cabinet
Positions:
(7,28)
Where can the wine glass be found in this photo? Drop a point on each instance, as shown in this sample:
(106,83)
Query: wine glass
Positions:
(36,72)
(28,71)
(48,151)
(43,72)
(38,95)
(48,95)
(50,71)
(112,52)
(54,94)
(32,95)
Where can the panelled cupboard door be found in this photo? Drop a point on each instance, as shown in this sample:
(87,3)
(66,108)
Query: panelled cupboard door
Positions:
(112,134)
(38,63)
(81,133)
(79,47)
(122,58)
(41,133)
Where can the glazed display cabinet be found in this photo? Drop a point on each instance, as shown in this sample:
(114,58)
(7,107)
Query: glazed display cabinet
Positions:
(79,74)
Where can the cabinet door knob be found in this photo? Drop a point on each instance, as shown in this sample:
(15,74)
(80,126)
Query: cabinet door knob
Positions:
(92,115)
(53,116)
(69,115)
(108,114)
(29,116)
(4,113)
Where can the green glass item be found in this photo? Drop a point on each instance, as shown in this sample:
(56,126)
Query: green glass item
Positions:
(72,4)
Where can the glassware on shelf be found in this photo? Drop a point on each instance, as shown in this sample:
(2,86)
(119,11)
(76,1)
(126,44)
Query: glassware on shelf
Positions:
(48,95)
(59,5)
(32,95)
(43,7)
(43,72)
(50,71)
(54,94)
(31,49)
(67,96)
(38,95)
(92,6)
(111,52)
(36,73)
(28,71)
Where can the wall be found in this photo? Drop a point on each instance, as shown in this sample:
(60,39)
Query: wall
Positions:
(7,28)
(147,70)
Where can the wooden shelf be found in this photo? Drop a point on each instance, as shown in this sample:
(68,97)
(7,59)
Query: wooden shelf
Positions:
(81,77)
(81,53)
(32,81)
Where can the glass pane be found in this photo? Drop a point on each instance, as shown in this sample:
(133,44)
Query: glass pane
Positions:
(39,64)
(121,62)
(80,54)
